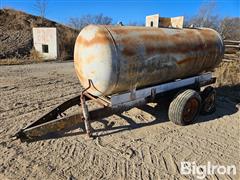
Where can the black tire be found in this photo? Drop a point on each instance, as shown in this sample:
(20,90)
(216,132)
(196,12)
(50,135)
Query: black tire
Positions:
(185,107)
(208,101)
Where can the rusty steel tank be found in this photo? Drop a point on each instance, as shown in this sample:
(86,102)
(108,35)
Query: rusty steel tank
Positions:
(123,58)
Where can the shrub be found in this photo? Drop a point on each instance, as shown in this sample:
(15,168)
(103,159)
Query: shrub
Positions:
(35,55)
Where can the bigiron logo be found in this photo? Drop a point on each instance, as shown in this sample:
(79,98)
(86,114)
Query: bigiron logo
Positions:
(201,171)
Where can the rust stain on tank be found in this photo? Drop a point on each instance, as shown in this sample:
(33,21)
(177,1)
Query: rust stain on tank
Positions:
(98,39)
(176,48)
(183,61)
(153,38)
(207,33)
(90,59)
(153,50)
(128,51)
(125,41)
(133,29)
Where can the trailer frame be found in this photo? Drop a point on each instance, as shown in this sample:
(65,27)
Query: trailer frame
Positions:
(55,120)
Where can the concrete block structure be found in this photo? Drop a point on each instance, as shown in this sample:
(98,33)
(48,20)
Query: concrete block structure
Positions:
(157,21)
(45,41)
(152,20)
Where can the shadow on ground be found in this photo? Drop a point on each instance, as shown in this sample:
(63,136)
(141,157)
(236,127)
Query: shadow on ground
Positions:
(232,92)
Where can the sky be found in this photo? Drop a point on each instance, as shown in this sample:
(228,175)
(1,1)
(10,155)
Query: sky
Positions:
(126,11)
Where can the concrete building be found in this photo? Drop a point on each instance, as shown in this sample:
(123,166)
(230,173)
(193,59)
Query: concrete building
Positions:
(152,20)
(45,41)
(157,21)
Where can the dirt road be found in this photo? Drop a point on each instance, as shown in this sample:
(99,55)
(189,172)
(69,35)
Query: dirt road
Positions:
(138,144)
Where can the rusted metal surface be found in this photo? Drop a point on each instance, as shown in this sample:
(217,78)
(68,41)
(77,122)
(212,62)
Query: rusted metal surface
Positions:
(124,58)
(51,126)
(51,121)
(85,114)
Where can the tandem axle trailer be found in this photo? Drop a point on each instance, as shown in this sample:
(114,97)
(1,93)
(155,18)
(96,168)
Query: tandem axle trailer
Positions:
(187,103)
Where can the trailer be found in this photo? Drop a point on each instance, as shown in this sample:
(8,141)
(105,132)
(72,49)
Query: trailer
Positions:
(122,67)
(187,102)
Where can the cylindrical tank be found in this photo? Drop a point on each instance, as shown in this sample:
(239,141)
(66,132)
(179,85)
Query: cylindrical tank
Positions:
(122,58)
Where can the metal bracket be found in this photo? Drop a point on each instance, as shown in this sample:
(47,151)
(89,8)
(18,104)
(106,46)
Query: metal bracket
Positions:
(133,94)
(85,110)
(153,93)
(85,115)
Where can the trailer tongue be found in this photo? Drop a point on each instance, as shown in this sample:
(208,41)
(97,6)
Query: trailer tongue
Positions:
(56,120)
(50,122)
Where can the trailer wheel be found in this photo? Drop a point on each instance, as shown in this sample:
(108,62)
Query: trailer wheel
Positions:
(184,109)
(208,101)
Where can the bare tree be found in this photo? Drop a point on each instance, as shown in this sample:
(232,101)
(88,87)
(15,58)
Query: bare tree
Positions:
(41,6)
(205,13)
(230,28)
(75,23)
(205,17)
(79,23)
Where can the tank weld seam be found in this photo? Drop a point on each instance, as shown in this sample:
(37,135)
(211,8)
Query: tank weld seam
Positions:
(116,50)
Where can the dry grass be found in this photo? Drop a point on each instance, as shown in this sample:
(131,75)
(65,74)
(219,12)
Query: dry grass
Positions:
(228,80)
(228,73)
(35,56)
(16,61)
(12,61)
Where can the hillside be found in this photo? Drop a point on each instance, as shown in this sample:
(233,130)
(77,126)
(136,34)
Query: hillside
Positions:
(16,34)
